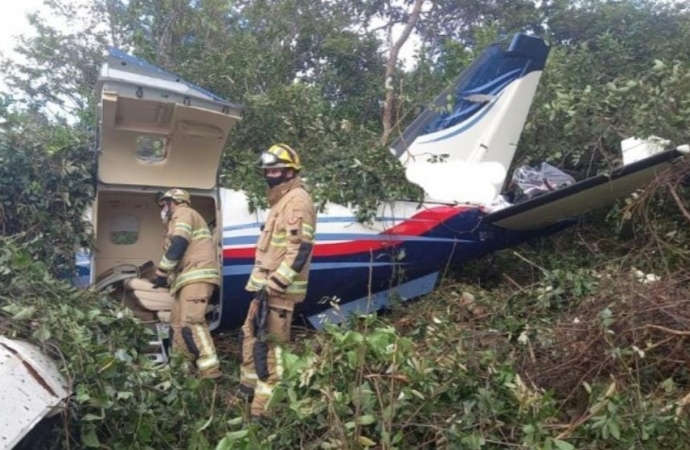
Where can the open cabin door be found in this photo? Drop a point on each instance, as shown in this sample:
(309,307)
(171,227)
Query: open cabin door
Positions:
(156,132)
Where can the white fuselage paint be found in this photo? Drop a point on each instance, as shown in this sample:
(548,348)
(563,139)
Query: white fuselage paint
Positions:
(336,221)
(480,149)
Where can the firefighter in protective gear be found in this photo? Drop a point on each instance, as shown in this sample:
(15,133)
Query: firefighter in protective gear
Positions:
(190,267)
(279,276)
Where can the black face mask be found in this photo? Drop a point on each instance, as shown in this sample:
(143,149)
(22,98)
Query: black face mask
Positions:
(273,182)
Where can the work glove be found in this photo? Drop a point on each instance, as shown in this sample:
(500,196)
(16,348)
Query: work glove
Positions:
(160,280)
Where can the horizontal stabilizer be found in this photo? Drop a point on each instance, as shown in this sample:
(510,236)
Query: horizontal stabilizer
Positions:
(583,196)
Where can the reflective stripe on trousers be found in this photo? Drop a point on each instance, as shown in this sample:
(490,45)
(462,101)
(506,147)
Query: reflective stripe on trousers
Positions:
(248,377)
(277,324)
(209,357)
(264,390)
(188,319)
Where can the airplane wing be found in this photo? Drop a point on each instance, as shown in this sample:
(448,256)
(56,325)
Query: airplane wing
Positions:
(583,196)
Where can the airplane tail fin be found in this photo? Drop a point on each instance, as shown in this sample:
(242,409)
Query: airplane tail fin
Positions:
(460,148)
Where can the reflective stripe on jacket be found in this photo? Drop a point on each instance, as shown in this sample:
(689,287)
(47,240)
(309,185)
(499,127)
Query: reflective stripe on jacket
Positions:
(199,262)
(285,246)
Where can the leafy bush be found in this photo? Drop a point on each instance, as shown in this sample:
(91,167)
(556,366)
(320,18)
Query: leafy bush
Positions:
(44,190)
(343,161)
(120,398)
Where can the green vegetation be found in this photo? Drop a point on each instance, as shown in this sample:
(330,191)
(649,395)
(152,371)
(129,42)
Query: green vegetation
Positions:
(559,344)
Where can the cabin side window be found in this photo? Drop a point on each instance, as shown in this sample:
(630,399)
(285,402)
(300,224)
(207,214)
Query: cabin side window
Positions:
(124,230)
(151,148)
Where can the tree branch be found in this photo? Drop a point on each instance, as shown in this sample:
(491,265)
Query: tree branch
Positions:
(669,330)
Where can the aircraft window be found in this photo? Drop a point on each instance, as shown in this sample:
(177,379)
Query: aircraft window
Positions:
(124,230)
(152,148)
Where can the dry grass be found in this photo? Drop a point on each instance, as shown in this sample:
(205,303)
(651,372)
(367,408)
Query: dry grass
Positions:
(646,333)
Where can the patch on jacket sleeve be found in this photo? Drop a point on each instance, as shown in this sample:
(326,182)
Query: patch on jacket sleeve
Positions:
(293,226)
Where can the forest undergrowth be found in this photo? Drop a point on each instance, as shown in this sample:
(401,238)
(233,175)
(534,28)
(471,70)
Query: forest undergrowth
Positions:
(570,342)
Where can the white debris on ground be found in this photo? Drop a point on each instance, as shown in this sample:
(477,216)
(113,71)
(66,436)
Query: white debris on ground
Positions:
(31,389)
(645,278)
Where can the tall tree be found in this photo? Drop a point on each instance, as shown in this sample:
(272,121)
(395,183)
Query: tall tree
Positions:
(58,66)
(395,46)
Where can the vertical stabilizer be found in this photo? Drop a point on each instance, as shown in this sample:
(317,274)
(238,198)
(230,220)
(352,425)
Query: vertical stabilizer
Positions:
(460,148)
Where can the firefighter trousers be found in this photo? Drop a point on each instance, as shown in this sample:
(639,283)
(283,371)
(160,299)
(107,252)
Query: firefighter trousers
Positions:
(191,336)
(262,363)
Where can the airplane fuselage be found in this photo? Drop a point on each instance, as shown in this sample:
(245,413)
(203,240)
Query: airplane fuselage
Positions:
(363,266)
(158,131)
(402,251)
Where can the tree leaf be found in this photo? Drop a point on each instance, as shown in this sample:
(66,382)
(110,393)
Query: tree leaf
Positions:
(614,429)
(227,442)
(365,441)
(367,420)
(90,439)
(91,417)
(42,333)
(563,445)
(25,313)
(235,421)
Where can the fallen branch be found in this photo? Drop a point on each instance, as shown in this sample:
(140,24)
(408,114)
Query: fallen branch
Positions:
(669,330)
(679,202)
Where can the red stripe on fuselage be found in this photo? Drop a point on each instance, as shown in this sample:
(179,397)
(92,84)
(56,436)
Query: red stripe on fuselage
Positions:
(416,225)
(425,220)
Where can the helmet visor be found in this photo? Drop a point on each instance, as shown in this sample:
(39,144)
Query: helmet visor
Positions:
(268,160)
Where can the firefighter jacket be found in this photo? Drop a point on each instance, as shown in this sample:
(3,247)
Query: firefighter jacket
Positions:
(285,246)
(190,256)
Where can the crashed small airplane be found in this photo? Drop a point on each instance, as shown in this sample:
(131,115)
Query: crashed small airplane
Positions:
(157,131)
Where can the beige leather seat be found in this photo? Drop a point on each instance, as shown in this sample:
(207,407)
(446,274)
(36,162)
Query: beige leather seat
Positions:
(153,299)
(157,300)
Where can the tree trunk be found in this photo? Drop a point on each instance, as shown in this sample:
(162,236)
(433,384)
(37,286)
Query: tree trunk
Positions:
(390,69)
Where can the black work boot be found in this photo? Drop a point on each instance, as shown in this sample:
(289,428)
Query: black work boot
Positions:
(246,392)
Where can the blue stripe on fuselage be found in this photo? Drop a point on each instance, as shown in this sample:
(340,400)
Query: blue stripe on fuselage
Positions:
(245,240)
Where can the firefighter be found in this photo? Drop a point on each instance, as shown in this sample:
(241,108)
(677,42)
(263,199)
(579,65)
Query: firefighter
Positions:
(190,267)
(279,277)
